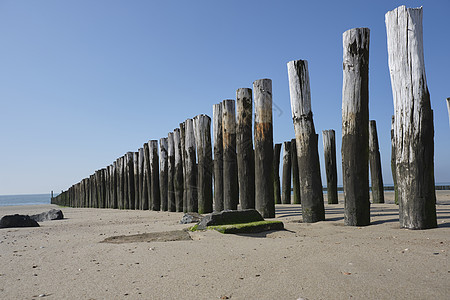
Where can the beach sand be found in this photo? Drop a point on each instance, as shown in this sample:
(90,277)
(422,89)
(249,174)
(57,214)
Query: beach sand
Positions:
(66,259)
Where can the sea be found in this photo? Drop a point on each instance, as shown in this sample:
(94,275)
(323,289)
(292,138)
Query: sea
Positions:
(29,199)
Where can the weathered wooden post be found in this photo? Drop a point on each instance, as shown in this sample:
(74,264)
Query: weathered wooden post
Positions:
(448,107)
(375,164)
(107,186)
(244,148)
(143,204)
(414,131)
(114,185)
(191,172)
(136,180)
(205,166)
(178,175)
(355,123)
(98,196)
(146,178)
(154,174)
(163,173)
(91,190)
(295,173)
(313,209)
(183,158)
(286,182)
(264,197)
(218,157)
(230,186)
(393,168)
(130,179)
(170,173)
(329,150)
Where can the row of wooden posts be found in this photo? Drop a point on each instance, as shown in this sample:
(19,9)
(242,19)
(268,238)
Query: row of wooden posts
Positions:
(180,178)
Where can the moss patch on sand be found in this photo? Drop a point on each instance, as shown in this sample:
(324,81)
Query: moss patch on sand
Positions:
(252,227)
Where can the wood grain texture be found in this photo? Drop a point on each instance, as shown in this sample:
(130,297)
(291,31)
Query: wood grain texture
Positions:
(329,151)
(376,175)
(218,157)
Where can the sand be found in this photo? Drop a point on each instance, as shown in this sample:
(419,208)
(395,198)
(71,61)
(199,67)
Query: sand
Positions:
(66,259)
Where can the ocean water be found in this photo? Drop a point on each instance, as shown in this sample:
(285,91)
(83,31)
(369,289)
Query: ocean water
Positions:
(30,199)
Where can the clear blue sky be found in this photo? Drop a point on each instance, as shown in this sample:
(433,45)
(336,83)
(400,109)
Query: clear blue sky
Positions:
(83,82)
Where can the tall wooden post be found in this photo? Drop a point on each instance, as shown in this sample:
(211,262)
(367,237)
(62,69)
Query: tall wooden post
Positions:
(355,123)
(264,198)
(163,173)
(393,167)
(286,182)
(114,185)
(295,174)
(191,172)
(155,192)
(107,186)
(178,175)
(218,157)
(230,187)
(146,178)
(205,166)
(375,164)
(313,209)
(414,131)
(183,158)
(170,173)
(276,174)
(329,150)
(143,202)
(244,148)
(136,179)
(130,179)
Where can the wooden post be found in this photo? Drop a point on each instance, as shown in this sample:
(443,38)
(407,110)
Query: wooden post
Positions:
(355,123)
(204,155)
(146,178)
(218,157)
(329,150)
(276,174)
(393,168)
(163,173)
(264,197)
(107,185)
(191,172)
(313,209)
(230,188)
(375,164)
(448,107)
(414,131)
(136,180)
(244,148)
(91,190)
(295,174)
(178,177)
(114,185)
(183,158)
(130,179)
(286,183)
(143,202)
(170,173)
(154,174)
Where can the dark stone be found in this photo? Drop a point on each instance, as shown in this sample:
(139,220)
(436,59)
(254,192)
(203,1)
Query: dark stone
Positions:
(191,218)
(16,220)
(54,214)
(230,217)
